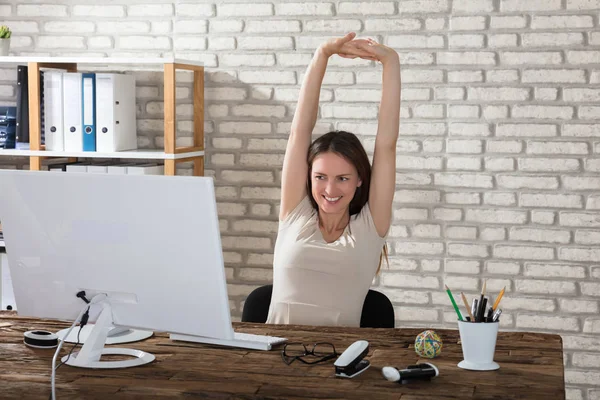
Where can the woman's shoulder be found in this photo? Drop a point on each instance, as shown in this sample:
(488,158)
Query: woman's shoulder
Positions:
(303,211)
(363,221)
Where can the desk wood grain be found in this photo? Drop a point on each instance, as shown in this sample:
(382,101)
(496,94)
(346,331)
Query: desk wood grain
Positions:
(531,367)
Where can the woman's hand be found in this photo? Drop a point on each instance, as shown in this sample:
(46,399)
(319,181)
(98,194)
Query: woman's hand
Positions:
(346,47)
(377,51)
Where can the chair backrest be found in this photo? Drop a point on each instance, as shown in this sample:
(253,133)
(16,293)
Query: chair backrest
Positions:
(256,306)
(377,312)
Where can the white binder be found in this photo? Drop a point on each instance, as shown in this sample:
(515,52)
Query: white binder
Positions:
(146,169)
(53,110)
(115,112)
(78,167)
(98,167)
(72,111)
(120,169)
(8,295)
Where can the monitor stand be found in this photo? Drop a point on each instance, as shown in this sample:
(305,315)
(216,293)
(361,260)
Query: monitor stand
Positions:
(93,349)
(116,335)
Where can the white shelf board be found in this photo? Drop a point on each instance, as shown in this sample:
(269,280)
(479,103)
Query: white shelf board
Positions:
(13,60)
(2,243)
(149,154)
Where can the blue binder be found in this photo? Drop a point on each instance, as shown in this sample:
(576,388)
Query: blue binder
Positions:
(88,110)
(8,127)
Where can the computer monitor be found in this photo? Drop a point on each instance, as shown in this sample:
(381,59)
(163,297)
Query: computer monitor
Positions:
(150,243)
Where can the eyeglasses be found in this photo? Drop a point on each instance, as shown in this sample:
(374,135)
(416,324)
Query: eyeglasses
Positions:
(296,351)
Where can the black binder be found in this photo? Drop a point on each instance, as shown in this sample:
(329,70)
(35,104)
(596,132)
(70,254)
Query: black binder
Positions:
(23,105)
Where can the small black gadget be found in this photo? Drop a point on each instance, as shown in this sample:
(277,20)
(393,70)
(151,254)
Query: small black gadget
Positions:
(40,339)
(423,371)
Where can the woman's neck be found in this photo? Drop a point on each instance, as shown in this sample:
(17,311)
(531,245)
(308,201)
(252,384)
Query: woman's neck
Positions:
(331,223)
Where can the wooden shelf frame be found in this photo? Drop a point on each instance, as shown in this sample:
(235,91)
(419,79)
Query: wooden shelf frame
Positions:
(170,68)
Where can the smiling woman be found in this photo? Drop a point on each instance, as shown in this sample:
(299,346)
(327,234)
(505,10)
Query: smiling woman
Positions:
(335,209)
(338,167)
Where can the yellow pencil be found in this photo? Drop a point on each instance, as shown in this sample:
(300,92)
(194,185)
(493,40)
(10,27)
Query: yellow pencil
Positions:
(498,299)
(467,306)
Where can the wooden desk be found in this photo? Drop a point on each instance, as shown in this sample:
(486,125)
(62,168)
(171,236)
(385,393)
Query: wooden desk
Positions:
(531,367)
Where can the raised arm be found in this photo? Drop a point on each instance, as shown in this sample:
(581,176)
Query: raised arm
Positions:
(295,168)
(383,175)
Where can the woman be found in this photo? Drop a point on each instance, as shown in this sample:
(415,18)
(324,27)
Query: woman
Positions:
(335,212)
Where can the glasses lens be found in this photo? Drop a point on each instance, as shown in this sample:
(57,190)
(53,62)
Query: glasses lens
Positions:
(294,350)
(324,349)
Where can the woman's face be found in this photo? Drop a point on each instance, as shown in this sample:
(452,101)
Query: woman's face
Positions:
(334,182)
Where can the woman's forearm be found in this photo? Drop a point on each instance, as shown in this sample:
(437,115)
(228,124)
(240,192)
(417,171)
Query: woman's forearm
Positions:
(307,109)
(389,108)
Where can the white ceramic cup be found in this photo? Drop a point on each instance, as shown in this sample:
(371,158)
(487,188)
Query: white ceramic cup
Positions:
(478,341)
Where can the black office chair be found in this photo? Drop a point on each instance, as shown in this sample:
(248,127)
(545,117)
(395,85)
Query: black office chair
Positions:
(377,311)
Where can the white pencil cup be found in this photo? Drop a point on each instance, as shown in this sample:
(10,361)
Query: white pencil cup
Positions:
(478,341)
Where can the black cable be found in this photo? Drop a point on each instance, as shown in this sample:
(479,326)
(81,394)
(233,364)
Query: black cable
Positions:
(82,323)
(84,320)
(81,295)
(72,348)
(68,355)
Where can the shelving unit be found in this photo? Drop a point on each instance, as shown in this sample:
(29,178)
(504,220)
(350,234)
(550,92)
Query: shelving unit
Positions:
(171,155)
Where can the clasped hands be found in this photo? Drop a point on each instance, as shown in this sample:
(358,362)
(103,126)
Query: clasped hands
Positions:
(367,49)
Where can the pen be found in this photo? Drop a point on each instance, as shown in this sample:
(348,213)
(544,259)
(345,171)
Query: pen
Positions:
(454,303)
(474,309)
(481,309)
(498,298)
(464,299)
(497,315)
(490,315)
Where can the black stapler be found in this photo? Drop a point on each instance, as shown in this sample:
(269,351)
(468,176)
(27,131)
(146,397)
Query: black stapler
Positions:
(351,363)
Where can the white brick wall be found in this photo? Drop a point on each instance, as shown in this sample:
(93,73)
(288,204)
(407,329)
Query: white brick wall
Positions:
(499,156)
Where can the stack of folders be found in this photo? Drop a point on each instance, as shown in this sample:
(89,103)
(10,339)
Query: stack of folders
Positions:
(110,167)
(89,111)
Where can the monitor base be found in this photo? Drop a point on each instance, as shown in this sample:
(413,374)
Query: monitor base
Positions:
(93,349)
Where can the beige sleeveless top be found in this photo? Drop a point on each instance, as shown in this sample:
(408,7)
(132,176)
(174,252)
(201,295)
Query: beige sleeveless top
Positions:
(320,283)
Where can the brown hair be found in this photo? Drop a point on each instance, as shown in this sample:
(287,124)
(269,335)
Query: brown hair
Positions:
(348,146)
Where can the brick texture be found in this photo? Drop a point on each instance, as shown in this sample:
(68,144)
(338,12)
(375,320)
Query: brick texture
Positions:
(498,165)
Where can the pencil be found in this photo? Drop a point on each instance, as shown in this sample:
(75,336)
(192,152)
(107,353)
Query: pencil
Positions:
(454,303)
(498,299)
(464,298)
